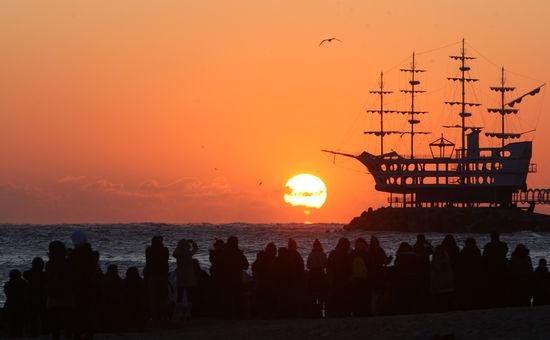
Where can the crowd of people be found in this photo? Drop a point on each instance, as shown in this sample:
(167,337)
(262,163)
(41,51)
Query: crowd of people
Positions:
(70,294)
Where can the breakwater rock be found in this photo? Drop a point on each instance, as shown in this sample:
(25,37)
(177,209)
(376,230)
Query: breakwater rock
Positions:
(450,220)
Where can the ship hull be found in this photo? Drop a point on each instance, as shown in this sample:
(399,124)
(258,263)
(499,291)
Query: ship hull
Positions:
(491,175)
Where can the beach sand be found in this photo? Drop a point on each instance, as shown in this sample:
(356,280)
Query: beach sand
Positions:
(505,323)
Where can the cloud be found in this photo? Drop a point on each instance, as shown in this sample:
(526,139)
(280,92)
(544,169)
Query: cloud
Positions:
(187,187)
(84,199)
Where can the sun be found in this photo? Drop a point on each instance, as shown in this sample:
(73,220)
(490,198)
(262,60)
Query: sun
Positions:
(305,190)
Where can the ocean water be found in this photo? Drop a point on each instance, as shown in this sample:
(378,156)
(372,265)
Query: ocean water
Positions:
(124,244)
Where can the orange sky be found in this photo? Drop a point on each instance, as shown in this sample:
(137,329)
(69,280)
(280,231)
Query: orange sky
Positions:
(118,111)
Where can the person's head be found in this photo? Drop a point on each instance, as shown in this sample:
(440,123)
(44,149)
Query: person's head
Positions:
(470,242)
(15,274)
(132,274)
(157,240)
(521,250)
(420,238)
(184,244)
(37,264)
(57,250)
(79,239)
(271,249)
(218,244)
(542,263)
(404,247)
(292,246)
(317,246)
(361,244)
(495,236)
(232,242)
(449,240)
(112,270)
(343,244)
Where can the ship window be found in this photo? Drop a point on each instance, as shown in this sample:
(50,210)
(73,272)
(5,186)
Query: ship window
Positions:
(480,180)
(391,180)
(490,180)
(408,180)
(429,180)
(497,166)
(383,167)
(505,153)
(479,167)
(411,167)
(398,181)
(393,167)
(430,167)
(488,166)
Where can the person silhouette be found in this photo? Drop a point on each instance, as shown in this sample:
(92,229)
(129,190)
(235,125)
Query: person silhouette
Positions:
(216,301)
(60,290)
(317,278)
(186,278)
(295,271)
(234,263)
(112,300)
(360,284)
(442,280)
(37,296)
(541,284)
(339,276)
(134,297)
(521,276)
(16,291)
(263,270)
(494,256)
(376,266)
(84,267)
(470,276)
(156,278)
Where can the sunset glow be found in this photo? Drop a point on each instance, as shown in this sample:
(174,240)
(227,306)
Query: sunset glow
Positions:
(121,111)
(306,190)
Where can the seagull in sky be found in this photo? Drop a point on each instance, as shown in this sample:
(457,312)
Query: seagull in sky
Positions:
(329,40)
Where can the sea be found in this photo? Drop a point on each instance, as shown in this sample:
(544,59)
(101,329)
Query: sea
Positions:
(125,244)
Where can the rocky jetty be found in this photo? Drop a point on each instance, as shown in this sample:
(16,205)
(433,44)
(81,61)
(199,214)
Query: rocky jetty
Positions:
(450,220)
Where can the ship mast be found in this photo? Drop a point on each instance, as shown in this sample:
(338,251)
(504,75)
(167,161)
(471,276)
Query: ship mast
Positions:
(381,133)
(503,111)
(507,108)
(463,79)
(412,121)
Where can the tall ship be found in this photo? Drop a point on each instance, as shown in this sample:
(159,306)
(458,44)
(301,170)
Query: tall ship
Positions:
(467,179)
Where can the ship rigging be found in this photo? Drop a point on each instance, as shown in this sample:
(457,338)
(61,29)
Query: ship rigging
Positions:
(466,176)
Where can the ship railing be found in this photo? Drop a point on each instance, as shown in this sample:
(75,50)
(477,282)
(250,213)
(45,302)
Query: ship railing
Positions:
(532,196)
(399,200)
(419,157)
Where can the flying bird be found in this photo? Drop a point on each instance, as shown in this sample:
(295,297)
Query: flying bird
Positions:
(329,40)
